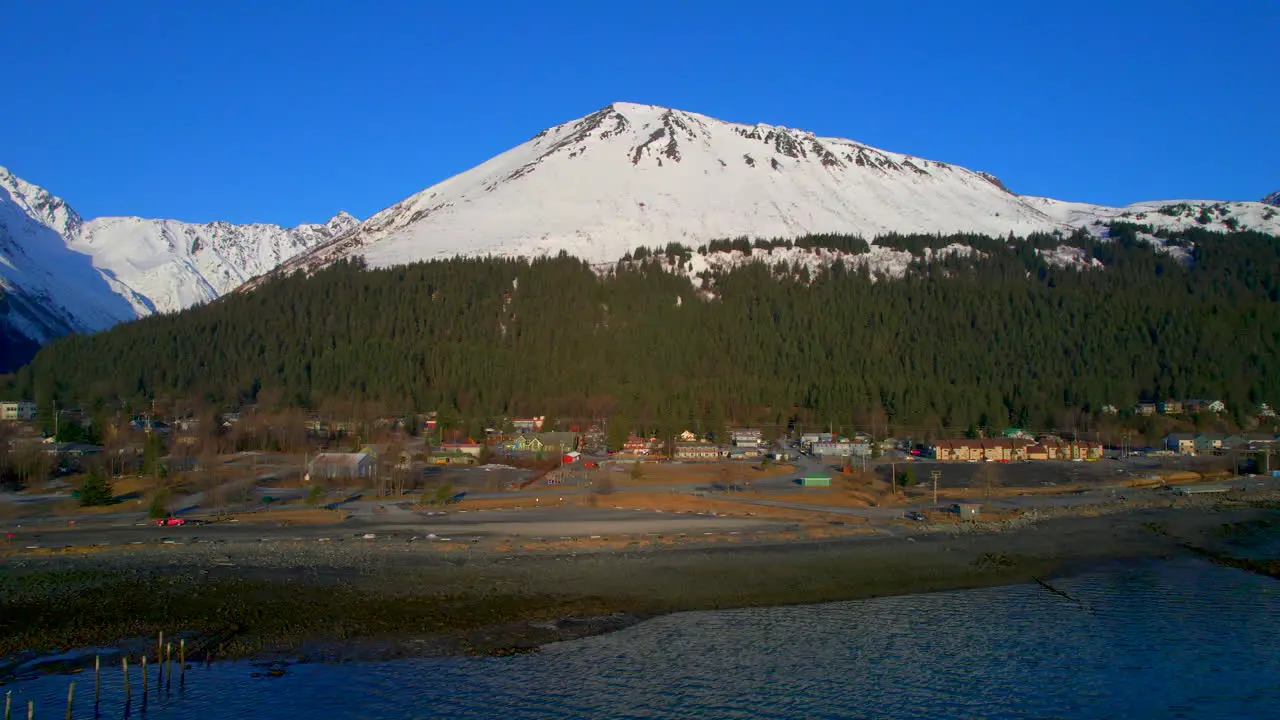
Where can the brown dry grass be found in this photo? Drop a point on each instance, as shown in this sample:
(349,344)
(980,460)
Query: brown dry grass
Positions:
(674,502)
(667,502)
(690,473)
(292,516)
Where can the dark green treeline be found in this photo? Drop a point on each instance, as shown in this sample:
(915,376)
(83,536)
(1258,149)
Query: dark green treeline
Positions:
(1002,339)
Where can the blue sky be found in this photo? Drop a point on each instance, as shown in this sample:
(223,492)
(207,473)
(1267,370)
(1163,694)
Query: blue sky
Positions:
(288,111)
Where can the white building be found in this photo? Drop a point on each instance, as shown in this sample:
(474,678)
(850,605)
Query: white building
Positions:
(341,466)
(17,411)
(810,438)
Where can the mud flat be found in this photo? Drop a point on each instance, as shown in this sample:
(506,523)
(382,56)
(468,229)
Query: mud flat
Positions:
(350,599)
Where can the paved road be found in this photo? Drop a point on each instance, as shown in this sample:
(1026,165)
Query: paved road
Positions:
(572,522)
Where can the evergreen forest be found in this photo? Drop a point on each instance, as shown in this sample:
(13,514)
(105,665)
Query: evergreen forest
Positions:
(999,338)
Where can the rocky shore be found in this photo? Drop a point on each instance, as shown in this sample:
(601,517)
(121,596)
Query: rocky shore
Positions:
(353,600)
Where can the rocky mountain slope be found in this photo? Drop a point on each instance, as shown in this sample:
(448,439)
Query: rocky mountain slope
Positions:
(638,175)
(60,273)
(623,177)
(1272,199)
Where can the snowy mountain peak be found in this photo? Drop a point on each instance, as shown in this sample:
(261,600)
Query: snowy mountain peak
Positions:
(341,224)
(630,174)
(60,273)
(39,204)
(1272,199)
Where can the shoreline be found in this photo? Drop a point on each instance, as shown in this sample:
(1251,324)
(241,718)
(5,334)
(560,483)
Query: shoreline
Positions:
(351,602)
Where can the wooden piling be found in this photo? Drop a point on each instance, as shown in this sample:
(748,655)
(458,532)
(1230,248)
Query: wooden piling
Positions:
(71,694)
(97,678)
(124,669)
(8,705)
(160,647)
(144,677)
(168,665)
(182,660)
(31,709)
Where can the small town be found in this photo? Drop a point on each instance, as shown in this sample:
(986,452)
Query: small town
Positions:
(253,460)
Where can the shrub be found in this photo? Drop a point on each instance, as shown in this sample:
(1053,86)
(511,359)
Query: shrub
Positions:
(96,490)
(443,493)
(315,495)
(159,507)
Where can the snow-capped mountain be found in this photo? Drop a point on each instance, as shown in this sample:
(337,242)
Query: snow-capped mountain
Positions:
(638,175)
(60,273)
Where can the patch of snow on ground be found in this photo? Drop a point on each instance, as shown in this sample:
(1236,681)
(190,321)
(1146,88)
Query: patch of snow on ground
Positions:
(1067,256)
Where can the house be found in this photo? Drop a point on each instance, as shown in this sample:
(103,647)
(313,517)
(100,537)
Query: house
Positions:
(520,444)
(1208,444)
(1265,411)
(688,437)
(636,445)
(452,458)
(696,451)
(1181,443)
(470,447)
(1037,452)
(571,457)
(17,411)
(341,466)
(1171,407)
(1144,409)
(1089,450)
(742,453)
(528,425)
(1203,406)
(968,511)
(830,448)
(592,440)
(745,437)
(1110,410)
(861,447)
(557,442)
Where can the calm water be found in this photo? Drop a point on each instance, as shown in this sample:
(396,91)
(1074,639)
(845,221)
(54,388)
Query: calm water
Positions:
(1179,640)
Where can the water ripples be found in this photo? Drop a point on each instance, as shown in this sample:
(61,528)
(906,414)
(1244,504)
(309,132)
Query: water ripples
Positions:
(1182,639)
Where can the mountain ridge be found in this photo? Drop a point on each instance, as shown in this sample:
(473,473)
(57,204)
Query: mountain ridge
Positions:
(625,176)
(631,175)
(61,273)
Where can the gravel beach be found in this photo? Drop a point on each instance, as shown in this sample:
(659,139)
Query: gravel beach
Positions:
(349,597)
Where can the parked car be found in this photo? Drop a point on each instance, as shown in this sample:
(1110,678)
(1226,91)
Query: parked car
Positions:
(172,522)
(914,516)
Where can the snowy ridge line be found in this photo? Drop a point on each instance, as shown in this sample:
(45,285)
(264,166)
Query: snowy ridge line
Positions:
(633,175)
(625,176)
(61,273)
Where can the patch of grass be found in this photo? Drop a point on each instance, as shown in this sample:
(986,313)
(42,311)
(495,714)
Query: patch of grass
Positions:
(996,560)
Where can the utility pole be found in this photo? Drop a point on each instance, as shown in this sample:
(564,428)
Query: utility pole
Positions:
(935,474)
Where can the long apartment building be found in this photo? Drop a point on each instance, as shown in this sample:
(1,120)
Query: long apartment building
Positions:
(1014,449)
